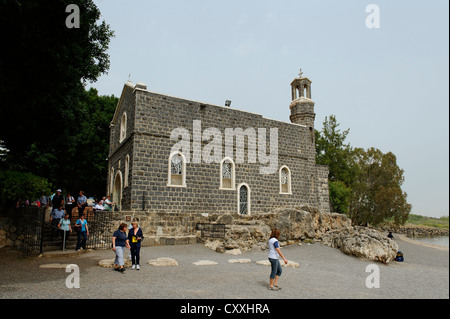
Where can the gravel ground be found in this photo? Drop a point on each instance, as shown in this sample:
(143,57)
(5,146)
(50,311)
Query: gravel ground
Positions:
(324,272)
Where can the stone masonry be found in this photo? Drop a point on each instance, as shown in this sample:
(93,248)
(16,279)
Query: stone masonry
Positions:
(141,144)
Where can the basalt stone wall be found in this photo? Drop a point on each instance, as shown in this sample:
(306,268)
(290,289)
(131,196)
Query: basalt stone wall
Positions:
(243,232)
(152,119)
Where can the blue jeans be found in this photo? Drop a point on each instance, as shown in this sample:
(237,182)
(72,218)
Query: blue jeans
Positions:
(81,242)
(276,268)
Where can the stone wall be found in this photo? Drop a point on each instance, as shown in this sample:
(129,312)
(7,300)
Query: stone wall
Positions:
(149,146)
(243,232)
(11,232)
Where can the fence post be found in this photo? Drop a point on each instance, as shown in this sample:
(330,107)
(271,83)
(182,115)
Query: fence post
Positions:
(41,243)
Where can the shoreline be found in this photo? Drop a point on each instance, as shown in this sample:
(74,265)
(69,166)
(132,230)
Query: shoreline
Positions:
(406,239)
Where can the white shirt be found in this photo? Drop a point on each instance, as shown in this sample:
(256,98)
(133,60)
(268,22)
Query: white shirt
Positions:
(273,245)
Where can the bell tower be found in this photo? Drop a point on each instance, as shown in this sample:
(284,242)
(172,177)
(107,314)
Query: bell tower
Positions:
(302,107)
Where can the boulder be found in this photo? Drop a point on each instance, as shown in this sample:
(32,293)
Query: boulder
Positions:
(362,242)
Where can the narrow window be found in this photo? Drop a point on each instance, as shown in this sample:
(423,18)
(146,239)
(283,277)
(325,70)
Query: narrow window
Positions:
(227,174)
(127,171)
(285,180)
(123,127)
(177,170)
(244,199)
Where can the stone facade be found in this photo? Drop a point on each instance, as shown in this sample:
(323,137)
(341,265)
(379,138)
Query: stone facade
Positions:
(141,148)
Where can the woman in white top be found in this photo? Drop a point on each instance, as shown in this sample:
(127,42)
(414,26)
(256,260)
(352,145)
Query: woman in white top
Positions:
(274,252)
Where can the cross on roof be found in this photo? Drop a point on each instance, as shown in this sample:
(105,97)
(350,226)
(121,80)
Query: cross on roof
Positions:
(301,73)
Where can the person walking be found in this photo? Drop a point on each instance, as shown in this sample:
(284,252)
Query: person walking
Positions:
(81,203)
(83,233)
(135,237)
(57,200)
(274,253)
(65,226)
(55,217)
(119,242)
(70,202)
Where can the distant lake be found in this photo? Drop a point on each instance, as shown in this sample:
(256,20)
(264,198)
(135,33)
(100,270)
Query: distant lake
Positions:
(438,240)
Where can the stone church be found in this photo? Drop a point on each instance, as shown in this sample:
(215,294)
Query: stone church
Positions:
(146,173)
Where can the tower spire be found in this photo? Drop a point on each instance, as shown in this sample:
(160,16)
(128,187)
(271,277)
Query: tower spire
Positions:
(302,106)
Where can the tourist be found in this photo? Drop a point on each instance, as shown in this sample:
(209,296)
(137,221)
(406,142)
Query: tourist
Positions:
(135,237)
(81,203)
(99,206)
(108,204)
(83,234)
(64,225)
(69,205)
(57,200)
(55,217)
(390,235)
(44,201)
(274,252)
(119,242)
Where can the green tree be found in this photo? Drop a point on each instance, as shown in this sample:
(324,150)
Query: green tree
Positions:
(17,185)
(89,153)
(332,151)
(43,69)
(377,193)
(340,195)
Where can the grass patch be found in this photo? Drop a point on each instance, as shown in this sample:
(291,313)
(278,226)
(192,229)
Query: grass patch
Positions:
(418,220)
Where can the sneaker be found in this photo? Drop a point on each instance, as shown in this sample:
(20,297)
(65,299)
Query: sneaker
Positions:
(133,267)
(274,288)
(138,268)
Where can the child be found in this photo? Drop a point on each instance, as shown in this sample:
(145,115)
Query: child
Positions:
(274,252)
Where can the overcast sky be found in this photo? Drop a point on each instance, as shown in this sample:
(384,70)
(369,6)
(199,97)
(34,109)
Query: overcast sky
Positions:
(388,85)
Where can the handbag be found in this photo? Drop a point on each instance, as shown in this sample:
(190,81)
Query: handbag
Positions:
(77,227)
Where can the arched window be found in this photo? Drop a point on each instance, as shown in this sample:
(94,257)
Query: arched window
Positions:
(123,127)
(177,170)
(285,180)
(127,171)
(227,174)
(244,199)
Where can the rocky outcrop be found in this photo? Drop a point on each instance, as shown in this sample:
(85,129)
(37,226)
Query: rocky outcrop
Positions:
(303,224)
(362,242)
(296,224)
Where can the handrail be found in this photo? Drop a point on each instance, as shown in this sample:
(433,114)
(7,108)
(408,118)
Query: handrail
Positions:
(64,235)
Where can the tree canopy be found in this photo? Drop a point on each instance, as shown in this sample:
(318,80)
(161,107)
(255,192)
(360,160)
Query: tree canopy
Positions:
(364,184)
(52,125)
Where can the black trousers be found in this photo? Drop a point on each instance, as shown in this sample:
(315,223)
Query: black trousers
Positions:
(69,209)
(135,254)
(55,231)
(81,210)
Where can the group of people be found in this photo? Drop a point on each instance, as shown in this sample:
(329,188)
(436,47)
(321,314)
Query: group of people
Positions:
(132,241)
(61,215)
